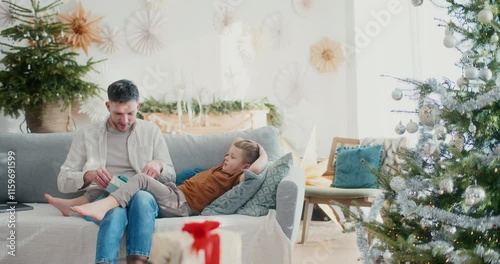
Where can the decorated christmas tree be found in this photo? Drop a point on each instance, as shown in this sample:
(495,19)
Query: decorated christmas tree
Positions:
(444,204)
(37,66)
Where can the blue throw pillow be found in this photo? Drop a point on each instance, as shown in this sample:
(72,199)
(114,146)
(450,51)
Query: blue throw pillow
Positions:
(233,199)
(350,172)
(187,174)
(265,198)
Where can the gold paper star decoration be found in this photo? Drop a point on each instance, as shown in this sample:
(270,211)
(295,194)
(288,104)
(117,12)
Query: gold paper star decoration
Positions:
(84,29)
(327,55)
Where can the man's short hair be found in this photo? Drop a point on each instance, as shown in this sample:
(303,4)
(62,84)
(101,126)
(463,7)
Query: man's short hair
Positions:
(123,91)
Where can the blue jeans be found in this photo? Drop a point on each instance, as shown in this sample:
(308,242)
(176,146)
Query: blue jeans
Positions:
(137,219)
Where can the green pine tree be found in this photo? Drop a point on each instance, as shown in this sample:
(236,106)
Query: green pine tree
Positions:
(444,205)
(37,67)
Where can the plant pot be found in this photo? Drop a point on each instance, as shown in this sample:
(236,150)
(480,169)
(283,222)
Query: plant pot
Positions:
(49,118)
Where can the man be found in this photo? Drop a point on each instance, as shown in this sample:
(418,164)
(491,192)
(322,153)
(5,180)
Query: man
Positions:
(121,145)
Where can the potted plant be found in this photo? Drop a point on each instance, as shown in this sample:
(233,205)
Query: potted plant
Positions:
(39,76)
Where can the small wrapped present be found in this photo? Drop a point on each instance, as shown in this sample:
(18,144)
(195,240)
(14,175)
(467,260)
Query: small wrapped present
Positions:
(199,243)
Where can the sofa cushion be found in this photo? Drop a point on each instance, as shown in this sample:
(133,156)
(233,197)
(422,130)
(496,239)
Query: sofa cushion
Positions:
(207,151)
(350,172)
(265,198)
(38,160)
(235,198)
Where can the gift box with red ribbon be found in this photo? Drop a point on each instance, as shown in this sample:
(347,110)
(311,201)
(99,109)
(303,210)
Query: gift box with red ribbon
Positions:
(198,243)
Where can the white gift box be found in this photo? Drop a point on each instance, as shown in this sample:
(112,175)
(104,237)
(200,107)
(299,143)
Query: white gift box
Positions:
(176,248)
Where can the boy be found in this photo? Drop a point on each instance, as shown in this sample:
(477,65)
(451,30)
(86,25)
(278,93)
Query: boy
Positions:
(190,197)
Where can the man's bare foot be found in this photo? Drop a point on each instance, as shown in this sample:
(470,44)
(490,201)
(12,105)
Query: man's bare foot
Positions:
(62,204)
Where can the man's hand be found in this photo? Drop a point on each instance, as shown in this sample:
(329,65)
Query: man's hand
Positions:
(153,168)
(100,176)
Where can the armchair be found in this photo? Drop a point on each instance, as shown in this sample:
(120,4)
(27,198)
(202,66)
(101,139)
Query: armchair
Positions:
(363,196)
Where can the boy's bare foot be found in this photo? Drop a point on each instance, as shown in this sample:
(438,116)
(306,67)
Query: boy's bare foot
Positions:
(92,209)
(97,209)
(62,204)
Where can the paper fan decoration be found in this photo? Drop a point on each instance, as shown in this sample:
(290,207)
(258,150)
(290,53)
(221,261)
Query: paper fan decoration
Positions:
(251,44)
(290,84)
(6,17)
(145,31)
(112,39)
(84,29)
(273,27)
(327,55)
(154,4)
(303,7)
(223,20)
(95,107)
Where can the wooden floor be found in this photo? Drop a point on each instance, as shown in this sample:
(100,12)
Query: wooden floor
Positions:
(327,243)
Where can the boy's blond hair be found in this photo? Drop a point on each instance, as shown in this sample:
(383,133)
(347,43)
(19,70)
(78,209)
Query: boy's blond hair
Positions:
(250,149)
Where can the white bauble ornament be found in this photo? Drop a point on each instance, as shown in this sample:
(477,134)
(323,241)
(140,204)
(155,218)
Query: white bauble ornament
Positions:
(397,94)
(446,185)
(400,129)
(472,128)
(411,127)
(417,2)
(462,82)
(494,38)
(485,74)
(450,41)
(398,184)
(440,131)
(471,73)
(485,16)
(474,194)
(429,115)
(387,256)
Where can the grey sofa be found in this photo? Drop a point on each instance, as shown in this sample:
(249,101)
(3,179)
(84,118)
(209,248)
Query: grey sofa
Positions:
(42,235)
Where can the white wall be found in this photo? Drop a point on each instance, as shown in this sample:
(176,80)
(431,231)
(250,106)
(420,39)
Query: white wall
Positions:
(382,37)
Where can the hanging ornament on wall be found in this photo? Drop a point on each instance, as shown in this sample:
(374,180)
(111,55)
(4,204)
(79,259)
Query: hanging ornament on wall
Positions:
(223,20)
(417,2)
(429,115)
(6,17)
(400,129)
(327,56)
(411,127)
(303,7)
(85,30)
(251,44)
(112,39)
(485,16)
(471,73)
(474,194)
(290,84)
(273,27)
(397,94)
(146,31)
(485,74)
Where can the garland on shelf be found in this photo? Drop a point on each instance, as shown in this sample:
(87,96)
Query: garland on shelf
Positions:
(274,118)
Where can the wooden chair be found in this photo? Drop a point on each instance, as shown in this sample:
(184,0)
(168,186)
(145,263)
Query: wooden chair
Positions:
(330,195)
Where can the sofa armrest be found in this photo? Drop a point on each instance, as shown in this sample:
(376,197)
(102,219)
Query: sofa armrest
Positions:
(289,202)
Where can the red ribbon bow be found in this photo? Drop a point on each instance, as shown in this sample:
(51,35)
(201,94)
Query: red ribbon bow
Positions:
(203,239)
